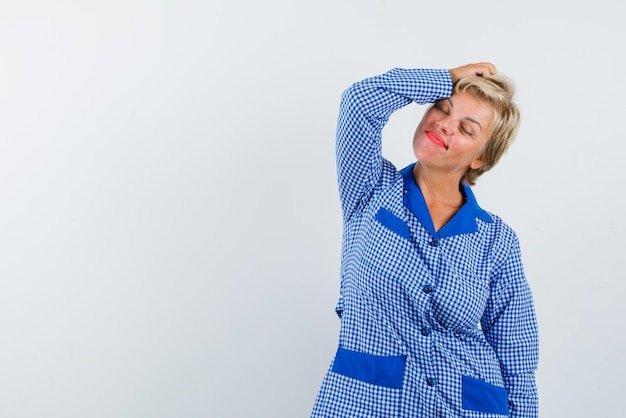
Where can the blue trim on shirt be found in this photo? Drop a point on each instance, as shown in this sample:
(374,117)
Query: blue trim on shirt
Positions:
(387,371)
(484,397)
(463,222)
(391,221)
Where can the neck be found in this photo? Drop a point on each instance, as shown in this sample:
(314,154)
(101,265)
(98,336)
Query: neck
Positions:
(438,189)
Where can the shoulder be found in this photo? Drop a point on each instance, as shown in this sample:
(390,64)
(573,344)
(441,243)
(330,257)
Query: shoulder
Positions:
(500,236)
(501,228)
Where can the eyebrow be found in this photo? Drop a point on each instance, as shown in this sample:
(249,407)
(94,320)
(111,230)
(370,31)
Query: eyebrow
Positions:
(467,117)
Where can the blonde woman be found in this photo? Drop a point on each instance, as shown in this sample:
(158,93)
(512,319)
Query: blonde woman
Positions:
(437,318)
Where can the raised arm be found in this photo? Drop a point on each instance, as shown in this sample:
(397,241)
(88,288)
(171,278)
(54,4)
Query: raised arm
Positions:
(365,109)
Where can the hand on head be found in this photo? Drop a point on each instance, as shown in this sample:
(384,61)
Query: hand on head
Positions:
(481,68)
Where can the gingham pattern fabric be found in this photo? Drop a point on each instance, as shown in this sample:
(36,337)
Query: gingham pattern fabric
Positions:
(455,303)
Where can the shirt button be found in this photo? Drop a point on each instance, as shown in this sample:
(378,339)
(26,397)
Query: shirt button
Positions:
(434,243)
(427,289)
(425,331)
(431,381)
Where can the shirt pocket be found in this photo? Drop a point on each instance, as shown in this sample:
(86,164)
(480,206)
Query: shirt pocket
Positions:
(362,385)
(483,398)
(385,371)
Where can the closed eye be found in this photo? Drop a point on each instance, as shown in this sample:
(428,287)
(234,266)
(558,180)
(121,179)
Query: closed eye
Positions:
(440,107)
(466,131)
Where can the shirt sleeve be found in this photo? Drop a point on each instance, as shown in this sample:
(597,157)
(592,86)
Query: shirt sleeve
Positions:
(510,326)
(364,110)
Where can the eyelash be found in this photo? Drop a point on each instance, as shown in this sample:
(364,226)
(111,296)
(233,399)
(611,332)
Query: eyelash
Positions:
(461,128)
(465,131)
(440,108)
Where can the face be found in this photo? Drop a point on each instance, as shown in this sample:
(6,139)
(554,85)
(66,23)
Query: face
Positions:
(453,133)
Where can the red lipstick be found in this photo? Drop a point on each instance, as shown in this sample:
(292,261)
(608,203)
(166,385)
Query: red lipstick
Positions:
(436,139)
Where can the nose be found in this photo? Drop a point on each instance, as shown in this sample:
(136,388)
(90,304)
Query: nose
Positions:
(443,124)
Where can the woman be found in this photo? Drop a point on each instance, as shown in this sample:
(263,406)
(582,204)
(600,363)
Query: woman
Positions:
(437,318)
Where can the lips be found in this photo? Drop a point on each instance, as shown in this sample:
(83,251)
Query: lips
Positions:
(436,139)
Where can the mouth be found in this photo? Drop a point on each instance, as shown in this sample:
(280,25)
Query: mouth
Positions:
(436,139)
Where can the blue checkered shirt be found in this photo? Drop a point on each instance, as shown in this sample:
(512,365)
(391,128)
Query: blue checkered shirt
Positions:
(433,323)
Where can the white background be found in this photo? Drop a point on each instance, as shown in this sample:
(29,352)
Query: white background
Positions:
(169,222)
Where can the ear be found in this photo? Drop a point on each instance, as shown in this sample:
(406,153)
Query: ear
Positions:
(477,163)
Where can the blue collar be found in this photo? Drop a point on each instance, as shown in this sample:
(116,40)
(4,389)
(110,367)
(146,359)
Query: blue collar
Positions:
(463,222)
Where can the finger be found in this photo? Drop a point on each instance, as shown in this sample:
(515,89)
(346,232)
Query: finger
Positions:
(492,68)
(486,68)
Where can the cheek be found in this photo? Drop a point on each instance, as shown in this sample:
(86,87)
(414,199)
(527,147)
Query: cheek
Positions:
(427,119)
(479,151)
(418,129)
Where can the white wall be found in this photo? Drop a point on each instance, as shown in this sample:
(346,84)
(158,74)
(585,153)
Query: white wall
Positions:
(169,222)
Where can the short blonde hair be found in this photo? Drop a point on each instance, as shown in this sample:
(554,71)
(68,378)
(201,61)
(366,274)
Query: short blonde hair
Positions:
(496,91)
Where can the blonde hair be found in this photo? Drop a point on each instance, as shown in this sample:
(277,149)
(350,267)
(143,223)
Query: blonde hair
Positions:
(496,91)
